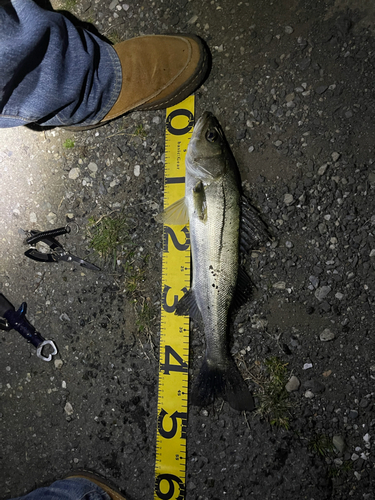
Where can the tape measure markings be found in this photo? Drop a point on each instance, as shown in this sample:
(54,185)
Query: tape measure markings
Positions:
(170,465)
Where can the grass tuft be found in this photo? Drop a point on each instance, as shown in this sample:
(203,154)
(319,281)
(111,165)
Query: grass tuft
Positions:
(321,444)
(274,402)
(145,317)
(109,238)
(108,235)
(340,470)
(69,144)
(68,5)
(140,131)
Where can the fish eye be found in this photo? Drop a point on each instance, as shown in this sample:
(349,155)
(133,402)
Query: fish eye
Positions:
(211,135)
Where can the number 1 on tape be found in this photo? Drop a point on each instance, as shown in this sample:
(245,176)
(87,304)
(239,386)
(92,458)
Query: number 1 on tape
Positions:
(174,335)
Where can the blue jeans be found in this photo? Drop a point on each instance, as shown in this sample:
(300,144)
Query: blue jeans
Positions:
(52,72)
(68,489)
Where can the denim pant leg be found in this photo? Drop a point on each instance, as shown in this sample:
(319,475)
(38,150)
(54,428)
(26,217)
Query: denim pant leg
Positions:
(68,489)
(52,72)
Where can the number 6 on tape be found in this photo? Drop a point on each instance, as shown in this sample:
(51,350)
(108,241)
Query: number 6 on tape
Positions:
(170,462)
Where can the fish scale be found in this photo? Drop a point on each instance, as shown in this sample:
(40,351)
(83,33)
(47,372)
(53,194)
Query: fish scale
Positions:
(219,269)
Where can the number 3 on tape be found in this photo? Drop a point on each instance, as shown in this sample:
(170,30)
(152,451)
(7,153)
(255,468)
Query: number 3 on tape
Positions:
(174,335)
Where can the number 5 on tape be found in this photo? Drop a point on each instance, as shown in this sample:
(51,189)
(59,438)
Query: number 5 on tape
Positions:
(174,335)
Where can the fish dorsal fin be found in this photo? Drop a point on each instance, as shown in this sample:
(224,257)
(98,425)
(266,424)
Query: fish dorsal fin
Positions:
(175,214)
(187,306)
(243,289)
(253,230)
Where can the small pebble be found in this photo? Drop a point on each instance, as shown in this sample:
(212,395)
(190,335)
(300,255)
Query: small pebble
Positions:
(52,217)
(64,317)
(68,409)
(309,395)
(292,384)
(58,363)
(322,169)
(314,281)
(93,167)
(366,438)
(280,285)
(326,335)
(288,199)
(321,89)
(74,173)
(289,98)
(193,19)
(353,414)
(322,292)
(338,443)
(137,170)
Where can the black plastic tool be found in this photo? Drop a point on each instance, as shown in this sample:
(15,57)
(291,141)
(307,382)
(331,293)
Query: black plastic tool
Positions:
(17,320)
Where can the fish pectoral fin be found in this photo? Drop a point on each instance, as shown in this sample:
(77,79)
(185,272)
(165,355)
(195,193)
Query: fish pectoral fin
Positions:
(175,214)
(200,203)
(253,230)
(187,306)
(243,289)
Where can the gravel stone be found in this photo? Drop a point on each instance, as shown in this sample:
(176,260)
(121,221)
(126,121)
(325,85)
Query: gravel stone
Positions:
(292,384)
(322,292)
(68,408)
(339,444)
(137,170)
(321,89)
(74,173)
(288,199)
(326,335)
(322,170)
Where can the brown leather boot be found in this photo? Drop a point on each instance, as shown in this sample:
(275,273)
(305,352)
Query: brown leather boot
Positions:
(104,485)
(158,71)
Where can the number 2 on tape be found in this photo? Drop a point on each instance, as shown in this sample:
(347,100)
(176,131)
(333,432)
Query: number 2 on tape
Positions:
(174,335)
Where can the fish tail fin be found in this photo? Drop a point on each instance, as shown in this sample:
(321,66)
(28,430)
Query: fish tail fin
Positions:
(221,381)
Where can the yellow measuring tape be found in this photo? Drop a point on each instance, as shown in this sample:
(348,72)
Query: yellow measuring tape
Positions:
(174,335)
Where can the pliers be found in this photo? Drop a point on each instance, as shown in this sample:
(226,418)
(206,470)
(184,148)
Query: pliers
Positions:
(57,250)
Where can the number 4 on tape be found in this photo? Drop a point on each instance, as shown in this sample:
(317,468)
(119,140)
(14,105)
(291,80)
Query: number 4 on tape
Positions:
(174,335)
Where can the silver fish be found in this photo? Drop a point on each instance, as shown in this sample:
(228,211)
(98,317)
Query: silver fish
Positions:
(214,208)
